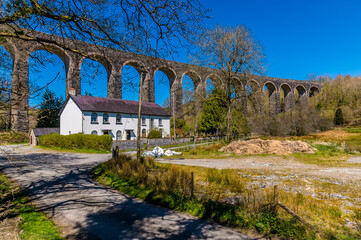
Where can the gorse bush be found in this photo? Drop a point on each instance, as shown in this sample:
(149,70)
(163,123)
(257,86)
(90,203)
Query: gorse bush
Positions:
(154,134)
(77,141)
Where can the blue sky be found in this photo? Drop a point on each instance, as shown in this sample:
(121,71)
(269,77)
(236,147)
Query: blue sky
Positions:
(299,38)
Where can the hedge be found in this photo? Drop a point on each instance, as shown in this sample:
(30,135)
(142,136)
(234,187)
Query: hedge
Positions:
(154,134)
(77,141)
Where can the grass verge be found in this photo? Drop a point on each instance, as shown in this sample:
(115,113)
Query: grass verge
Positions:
(223,196)
(81,150)
(7,138)
(31,224)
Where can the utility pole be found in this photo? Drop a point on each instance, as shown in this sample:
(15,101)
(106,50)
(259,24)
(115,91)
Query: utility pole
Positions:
(142,76)
(174,115)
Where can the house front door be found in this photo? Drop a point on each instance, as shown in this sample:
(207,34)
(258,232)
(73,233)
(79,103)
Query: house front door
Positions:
(129,134)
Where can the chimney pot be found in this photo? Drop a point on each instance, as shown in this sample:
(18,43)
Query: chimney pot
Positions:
(72,92)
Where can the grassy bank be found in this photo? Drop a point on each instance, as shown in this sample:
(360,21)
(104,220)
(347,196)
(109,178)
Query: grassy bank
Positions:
(13,138)
(80,150)
(227,197)
(17,210)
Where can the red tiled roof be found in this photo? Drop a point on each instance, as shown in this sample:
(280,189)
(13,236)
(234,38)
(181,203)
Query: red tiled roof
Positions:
(101,104)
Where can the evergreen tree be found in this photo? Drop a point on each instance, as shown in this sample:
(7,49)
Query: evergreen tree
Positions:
(214,112)
(339,117)
(48,115)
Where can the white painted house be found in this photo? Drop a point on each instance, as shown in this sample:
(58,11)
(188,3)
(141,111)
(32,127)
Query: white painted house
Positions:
(116,117)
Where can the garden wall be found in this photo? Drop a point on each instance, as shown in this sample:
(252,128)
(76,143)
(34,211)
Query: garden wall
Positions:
(132,144)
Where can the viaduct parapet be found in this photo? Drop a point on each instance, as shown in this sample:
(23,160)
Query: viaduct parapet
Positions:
(114,60)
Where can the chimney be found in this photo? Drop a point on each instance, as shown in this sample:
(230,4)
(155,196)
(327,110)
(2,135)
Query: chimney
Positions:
(72,92)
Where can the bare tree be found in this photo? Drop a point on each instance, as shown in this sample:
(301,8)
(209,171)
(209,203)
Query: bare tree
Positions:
(152,27)
(238,55)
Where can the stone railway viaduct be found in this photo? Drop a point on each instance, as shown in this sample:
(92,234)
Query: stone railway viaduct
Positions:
(114,60)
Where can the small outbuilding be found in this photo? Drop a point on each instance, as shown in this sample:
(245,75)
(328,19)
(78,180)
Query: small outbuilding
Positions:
(37,132)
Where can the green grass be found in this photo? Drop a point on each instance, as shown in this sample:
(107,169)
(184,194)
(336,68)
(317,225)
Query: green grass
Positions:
(82,150)
(353,130)
(34,225)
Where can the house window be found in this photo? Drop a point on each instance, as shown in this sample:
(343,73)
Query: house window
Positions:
(119,135)
(107,132)
(106,118)
(151,122)
(143,121)
(160,122)
(94,118)
(94,132)
(119,119)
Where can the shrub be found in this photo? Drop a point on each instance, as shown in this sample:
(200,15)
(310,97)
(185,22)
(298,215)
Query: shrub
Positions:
(339,117)
(77,141)
(154,134)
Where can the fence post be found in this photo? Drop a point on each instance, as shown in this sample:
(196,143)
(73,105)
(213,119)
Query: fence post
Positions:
(192,184)
(275,200)
(114,153)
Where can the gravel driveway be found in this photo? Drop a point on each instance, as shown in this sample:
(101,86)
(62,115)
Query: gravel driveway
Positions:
(59,185)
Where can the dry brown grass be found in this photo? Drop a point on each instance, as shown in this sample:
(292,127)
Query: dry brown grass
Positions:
(335,135)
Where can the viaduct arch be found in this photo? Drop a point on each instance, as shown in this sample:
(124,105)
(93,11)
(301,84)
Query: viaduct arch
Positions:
(114,60)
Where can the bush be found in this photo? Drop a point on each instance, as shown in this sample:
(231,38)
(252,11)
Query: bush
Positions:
(77,141)
(154,134)
(339,117)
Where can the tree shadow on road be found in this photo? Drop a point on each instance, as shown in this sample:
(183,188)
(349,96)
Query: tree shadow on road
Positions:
(60,186)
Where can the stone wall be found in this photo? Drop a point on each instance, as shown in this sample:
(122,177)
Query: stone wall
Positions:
(129,145)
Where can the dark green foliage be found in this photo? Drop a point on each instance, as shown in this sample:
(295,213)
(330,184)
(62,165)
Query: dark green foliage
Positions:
(77,141)
(179,123)
(339,117)
(48,115)
(214,113)
(154,134)
(270,224)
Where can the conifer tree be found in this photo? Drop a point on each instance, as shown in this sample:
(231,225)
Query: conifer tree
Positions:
(48,115)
